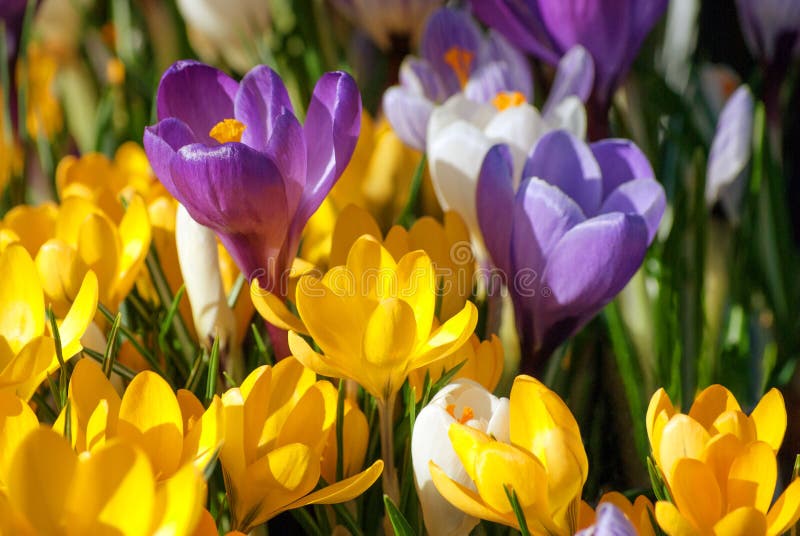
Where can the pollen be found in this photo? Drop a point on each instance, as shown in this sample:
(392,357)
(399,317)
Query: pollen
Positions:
(467,414)
(508,99)
(227,130)
(460,60)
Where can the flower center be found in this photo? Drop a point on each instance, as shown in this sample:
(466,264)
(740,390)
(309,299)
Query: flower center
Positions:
(467,414)
(507,99)
(227,130)
(460,60)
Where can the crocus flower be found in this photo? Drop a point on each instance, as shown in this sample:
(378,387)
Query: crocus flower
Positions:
(387,20)
(51,489)
(730,154)
(610,521)
(373,319)
(611,32)
(456,57)
(544,464)
(462,401)
(639,514)
(720,466)
(771,29)
(236,157)
(571,236)
(277,424)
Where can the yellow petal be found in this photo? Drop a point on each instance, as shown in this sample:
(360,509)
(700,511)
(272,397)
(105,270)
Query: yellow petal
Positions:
(499,466)
(17,419)
(735,423)
(397,241)
(71,214)
(204,436)
(719,454)
(465,499)
(78,318)
(112,489)
(22,299)
(43,456)
(682,437)
(786,510)
(179,503)
(332,321)
(373,269)
(659,402)
(355,436)
(150,417)
(99,249)
(347,489)
(273,309)
(313,360)
(34,225)
(742,522)
(696,493)
(566,464)
(467,442)
(135,235)
(770,418)
(97,427)
(352,222)
(232,453)
(88,387)
(389,336)
(28,369)
(673,522)
(311,420)
(752,477)
(417,287)
(449,337)
(711,403)
(61,273)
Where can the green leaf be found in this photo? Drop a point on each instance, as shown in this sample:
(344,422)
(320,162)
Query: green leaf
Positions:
(213,371)
(399,523)
(512,498)
(111,347)
(406,217)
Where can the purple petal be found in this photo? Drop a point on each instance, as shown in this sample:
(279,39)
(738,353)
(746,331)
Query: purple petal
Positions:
(489,80)
(238,192)
(408,113)
(585,270)
(494,202)
(261,98)
(197,94)
(620,161)
(645,15)
(640,196)
(447,29)
(418,76)
(287,149)
(730,152)
(331,130)
(567,163)
(610,521)
(520,23)
(496,48)
(161,142)
(575,76)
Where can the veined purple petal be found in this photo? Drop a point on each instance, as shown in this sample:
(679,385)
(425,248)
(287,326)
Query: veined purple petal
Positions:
(287,149)
(520,22)
(331,130)
(489,80)
(418,76)
(610,521)
(161,142)
(447,30)
(496,48)
(620,161)
(239,193)
(730,153)
(408,113)
(261,98)
(591,263)
(574,76)
(567,163)
(197,94)
(640,196)
(494,200)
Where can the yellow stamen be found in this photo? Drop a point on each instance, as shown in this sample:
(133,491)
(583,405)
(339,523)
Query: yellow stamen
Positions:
(460,61)
(507,99)
(467,414)
(227,130)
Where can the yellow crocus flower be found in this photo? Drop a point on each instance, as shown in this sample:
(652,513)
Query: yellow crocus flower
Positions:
(545,465)
(373,318)
(17,420)
(50,489)
(27,348)
(720,466)
(173,430)
(277,424)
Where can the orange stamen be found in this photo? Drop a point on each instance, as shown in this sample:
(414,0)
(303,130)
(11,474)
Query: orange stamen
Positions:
(227,130)
(460,61)
(467,414)
(507,99)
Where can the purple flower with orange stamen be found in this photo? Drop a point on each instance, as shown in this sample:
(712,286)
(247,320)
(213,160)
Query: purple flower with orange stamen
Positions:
(237,158)
(456,57)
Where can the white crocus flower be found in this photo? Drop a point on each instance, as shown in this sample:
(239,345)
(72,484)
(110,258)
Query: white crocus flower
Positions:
(199,262)
(462,401)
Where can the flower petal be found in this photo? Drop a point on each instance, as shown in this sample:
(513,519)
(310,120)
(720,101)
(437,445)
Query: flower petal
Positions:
(161,142)
(495,202)
(574,76)
(260,99)
(769,417)
(408,113)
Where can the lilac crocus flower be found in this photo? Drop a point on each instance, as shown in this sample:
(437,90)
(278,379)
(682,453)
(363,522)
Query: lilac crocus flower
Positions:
(610,521)
(572,235)
(611,30)
(730,154)
(455,57)
(236,157)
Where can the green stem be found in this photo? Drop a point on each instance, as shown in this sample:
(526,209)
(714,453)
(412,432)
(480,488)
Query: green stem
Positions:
(385,412)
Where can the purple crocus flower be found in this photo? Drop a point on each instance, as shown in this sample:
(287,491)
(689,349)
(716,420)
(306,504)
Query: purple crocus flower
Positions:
(611,30)
(236,157)
(12,13)
(572,235)
(610,521)
(455,57)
